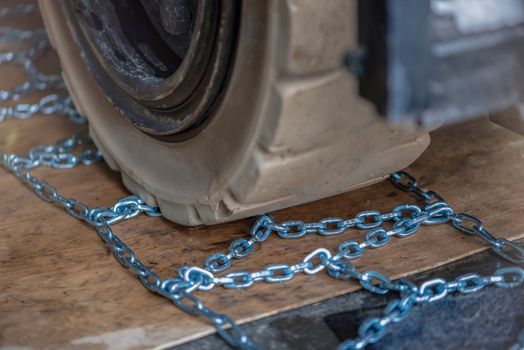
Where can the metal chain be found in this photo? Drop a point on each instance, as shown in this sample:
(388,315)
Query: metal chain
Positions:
(465,223)
(36,44)
(176,289)
(406,218)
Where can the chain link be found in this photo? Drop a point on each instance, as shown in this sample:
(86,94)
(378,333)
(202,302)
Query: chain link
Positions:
(405,220)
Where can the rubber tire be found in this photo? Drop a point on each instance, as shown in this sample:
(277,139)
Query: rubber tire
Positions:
(290,129)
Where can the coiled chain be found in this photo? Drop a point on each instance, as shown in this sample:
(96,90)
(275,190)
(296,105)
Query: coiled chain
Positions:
(406,219)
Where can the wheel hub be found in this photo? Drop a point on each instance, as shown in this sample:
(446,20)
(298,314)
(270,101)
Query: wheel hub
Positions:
(163,63)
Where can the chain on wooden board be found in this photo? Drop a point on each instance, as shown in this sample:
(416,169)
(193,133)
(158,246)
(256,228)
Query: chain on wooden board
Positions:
(407,219)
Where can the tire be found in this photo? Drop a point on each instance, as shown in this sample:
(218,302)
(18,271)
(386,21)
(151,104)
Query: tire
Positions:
(289,129)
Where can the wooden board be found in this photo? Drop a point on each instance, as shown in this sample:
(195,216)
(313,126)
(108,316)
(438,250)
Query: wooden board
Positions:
(61,288)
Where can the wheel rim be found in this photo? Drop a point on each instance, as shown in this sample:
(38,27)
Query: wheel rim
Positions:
(164,63)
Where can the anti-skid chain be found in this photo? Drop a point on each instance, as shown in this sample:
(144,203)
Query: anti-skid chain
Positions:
(406,220)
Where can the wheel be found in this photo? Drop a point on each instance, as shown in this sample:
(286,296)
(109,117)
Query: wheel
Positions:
(218,110)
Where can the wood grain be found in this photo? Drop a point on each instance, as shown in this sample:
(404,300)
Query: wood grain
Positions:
(61,288)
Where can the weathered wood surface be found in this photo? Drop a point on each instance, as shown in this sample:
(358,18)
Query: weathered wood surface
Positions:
(61,288)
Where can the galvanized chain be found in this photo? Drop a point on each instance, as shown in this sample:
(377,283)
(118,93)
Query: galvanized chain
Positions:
(32,44)
(176,289)
(465,223)
(406,218)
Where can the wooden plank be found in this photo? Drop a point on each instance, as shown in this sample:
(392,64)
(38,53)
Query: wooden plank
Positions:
(61,288)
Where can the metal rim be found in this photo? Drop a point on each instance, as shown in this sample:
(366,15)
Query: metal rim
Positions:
(165,75)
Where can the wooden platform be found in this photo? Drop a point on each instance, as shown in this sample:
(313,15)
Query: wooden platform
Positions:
(61,288)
